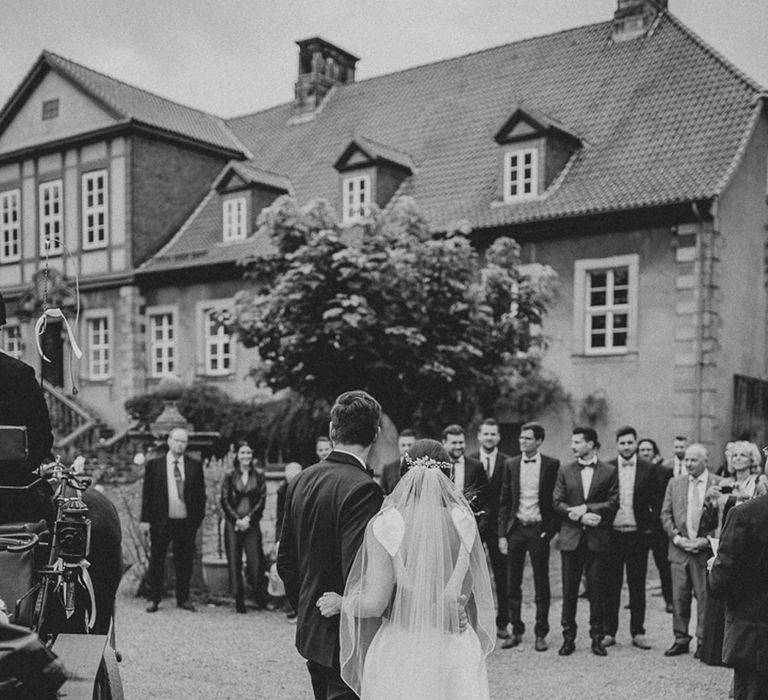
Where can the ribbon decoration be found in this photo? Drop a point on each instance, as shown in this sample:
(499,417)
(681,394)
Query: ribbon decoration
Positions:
(40,328)
(84,580)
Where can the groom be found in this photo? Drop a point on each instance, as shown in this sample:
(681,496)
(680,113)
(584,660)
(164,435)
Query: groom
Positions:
(327,507)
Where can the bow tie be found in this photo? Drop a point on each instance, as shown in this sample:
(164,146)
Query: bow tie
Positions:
(626,463)
(591,463)
(529,460)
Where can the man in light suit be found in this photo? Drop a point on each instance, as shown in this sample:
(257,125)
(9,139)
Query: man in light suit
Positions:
(739,574)
(630,538)
(526,523)
(172,509)
(681,516)
(493,462)
(327,508)
(390,472)
(586,496)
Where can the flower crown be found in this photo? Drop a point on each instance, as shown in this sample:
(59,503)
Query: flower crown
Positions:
(426,463)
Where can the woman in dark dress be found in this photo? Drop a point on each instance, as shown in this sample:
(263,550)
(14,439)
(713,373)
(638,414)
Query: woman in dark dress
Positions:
(745,480)
(243,495)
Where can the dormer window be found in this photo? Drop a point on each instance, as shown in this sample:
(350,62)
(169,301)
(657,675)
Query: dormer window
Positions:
(521,168)
(357,198)
(234,218)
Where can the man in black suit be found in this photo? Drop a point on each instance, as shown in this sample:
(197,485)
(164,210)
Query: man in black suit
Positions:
(738,576)
(526,523)
(327,509)
(493,462)
(172,509)
(586,497)
(22,404)
(390,472)
(468,473)
(631,535)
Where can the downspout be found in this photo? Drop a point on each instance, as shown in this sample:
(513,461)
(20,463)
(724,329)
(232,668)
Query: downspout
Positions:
(705,260)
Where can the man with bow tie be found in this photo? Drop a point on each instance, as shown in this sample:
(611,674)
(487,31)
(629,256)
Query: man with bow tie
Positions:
(526,523)
(586,496)
(468,474)
(681,516)
(172,509)
(630,538)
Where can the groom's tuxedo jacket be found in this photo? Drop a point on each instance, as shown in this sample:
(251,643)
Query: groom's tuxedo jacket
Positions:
(327,508)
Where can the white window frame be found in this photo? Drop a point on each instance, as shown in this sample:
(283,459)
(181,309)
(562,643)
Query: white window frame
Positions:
(95,209)
(166,345)
(217,353)
(517,175)
(10,226)
(100,353)
(356,197)
(234,211)
(51,198)
(584,311)
(12,343)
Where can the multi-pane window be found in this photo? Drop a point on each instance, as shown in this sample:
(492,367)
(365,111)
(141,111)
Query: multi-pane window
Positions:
(234,219)
(607,309)
(95,210)
(12,340)
(520,174)
(217,343)
(99,351)
(50,109)
(162,344)
(51,217)
(10,226)
(356,198)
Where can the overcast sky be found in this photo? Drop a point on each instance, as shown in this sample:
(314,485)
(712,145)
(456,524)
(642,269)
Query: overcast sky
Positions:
(232,57)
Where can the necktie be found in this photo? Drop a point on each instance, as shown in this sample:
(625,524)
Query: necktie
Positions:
(179,480)
(488,467)
(695,510)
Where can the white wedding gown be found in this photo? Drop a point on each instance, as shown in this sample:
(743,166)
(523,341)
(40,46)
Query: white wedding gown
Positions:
(418,653)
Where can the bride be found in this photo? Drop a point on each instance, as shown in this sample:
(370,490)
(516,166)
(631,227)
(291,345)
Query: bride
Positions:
(417,615)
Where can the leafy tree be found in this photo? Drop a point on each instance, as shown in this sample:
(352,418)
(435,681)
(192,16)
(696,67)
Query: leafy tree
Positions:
(418,319)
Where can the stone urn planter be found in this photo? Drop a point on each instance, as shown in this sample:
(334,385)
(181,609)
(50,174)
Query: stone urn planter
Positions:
(216,576)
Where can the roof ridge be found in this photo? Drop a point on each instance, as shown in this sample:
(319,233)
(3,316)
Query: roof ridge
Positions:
(48,53)
(713,52)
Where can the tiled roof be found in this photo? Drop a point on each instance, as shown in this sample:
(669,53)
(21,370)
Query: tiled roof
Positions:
(146,108)
(662,120)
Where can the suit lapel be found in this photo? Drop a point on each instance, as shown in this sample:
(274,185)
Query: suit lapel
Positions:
(575,471)
(597,471)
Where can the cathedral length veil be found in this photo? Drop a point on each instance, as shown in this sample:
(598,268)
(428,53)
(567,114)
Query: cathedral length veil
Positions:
(421,552)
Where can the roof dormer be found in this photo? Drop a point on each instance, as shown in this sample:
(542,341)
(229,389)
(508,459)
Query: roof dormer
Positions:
(370,172)
(245,190)
(535,150)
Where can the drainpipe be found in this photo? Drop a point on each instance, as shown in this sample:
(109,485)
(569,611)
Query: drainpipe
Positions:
(705,261)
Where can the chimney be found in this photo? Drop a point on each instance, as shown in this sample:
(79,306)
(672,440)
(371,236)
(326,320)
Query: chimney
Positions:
(321,67)
(633,18)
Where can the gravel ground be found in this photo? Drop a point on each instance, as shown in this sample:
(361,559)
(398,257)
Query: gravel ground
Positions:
(215,653)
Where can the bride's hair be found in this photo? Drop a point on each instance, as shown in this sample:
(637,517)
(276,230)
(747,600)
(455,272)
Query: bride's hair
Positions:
(428,451)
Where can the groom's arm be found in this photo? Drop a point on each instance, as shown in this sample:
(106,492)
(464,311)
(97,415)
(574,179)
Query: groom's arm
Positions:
(358,508)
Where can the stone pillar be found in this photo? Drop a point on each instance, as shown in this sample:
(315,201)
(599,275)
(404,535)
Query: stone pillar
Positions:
(130,355)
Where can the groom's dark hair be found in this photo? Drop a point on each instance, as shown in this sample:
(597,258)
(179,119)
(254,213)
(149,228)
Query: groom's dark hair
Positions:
(355,419)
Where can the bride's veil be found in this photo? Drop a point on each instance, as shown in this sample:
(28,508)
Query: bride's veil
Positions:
(420,562)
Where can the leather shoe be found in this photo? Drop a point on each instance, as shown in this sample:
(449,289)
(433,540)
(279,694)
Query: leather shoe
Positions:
(669,608)
(597,648)
(186,605)
(568,648)
(677,649)
(640,642)
(501,633)
(512,641)
(153,607)
(608,641)
(540,644)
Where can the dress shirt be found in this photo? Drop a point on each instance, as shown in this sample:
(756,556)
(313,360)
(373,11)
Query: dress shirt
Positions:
(347,452)
(530,470)
(679,468)
(176,508)
(458,473)
(625,516)
(489,461)
(695,503)
(587,472)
